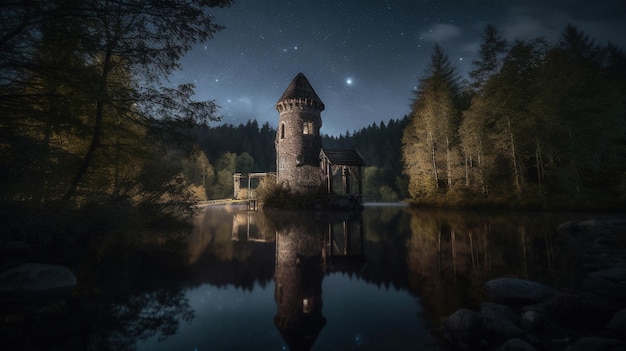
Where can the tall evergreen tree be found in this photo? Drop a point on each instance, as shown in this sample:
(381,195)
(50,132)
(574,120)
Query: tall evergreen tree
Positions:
(491,54)
(430,139)
(582,104)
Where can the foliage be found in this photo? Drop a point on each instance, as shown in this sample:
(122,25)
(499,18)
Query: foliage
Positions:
(249,138)
(89,119)
(430,150)
(544,128)
(267,188)
(380,146)
(276,196)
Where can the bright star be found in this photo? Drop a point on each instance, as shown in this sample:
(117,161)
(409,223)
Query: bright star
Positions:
(349,81)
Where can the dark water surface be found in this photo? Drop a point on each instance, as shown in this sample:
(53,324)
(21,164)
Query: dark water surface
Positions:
(283,280)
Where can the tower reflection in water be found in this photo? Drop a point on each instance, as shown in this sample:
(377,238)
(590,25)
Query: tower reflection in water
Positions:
(308,247)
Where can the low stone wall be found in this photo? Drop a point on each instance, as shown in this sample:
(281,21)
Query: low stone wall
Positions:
(527,315)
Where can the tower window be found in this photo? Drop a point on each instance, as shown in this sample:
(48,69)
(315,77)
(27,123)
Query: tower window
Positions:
(307,305)
(282,131)
(307,128)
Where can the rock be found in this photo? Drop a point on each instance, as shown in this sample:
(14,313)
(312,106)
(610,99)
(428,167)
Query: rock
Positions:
(578,310)
(31,286)
(463,329)
(532,320)
(597,344)
(518,291)
(542,329)
(569,229)
(540,322)
(30,277)
(603,244)
(500,321)
(610,283)
(616,327)
(516,344)
(589,225)
(597,262)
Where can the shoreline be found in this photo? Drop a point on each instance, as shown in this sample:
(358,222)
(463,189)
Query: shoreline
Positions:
(525,315)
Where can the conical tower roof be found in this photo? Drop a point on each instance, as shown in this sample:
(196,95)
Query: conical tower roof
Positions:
(300,88)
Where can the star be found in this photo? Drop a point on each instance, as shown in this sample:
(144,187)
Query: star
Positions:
(387,43)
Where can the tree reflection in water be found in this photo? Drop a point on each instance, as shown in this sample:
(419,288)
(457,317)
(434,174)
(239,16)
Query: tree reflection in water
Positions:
(154,313)
(126,292)
(421,266)
(451,254)
(443,258)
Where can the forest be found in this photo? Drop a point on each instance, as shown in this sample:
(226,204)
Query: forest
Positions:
(89,121)
(537,125)
(534,126)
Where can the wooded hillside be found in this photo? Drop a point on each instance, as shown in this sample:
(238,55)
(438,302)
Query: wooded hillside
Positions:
(539,125)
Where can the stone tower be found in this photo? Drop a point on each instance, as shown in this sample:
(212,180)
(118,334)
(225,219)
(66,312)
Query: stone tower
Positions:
(298,139)
(298,279)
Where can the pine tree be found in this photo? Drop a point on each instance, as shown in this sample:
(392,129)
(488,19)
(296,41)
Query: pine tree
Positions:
(430,139)
(492,52)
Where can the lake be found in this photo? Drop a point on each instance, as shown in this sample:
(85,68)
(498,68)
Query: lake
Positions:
(384,278)
(380,280)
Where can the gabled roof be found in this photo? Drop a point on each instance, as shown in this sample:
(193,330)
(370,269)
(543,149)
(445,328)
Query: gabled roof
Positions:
(300,88)
(343,157)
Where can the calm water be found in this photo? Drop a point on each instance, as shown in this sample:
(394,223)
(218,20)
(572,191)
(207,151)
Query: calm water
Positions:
(287,280)
(382,279)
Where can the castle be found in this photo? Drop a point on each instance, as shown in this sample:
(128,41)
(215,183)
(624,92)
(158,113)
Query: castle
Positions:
(301,163)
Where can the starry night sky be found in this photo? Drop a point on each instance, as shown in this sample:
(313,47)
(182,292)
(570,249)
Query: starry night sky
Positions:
(364,57)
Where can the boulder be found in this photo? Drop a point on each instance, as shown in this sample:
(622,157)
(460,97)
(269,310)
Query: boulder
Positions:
(542,328)
(617,325)
(511,290)
(31,286)
(30,277)
(574,309)
(533,320)
(610,283)
(463,329)
(570,229)
(516,344)
(593,343)
(500,321)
